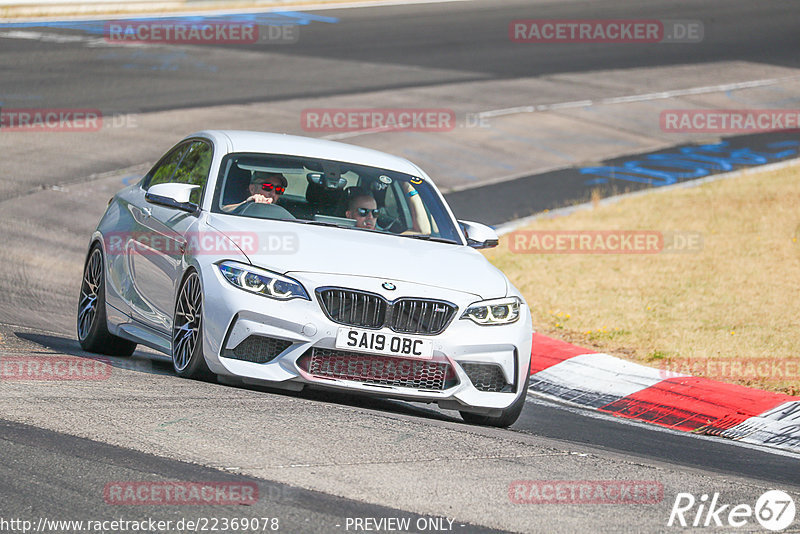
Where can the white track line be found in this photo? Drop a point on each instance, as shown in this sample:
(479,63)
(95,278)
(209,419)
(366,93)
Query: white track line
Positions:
(51,37)
(661,95)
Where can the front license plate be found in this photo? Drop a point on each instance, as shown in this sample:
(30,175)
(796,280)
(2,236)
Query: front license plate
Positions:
(380,343)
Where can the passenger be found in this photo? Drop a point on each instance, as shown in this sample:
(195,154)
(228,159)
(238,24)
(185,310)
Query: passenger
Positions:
(419,215)
(362,207)
(265,188)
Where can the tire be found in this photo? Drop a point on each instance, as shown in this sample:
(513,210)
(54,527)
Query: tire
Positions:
(92,323)
(505,419)
(187,331)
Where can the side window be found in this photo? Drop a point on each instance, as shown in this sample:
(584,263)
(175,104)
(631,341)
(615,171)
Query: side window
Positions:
(193,168)
(162,174)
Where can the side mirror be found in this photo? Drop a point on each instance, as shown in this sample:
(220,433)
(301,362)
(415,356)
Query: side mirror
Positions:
(479,235)
(172,196)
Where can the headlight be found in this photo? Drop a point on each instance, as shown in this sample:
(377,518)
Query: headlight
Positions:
(261,282)
(495,311)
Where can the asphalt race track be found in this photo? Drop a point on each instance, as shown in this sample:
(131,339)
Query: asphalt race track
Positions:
(428,44)
(320,459)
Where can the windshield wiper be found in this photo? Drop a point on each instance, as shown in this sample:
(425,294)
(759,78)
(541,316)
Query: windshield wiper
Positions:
(317,223)
(425,237)
(326,223)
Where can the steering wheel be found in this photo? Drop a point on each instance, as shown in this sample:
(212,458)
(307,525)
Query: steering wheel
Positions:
(260,210)
(391,224)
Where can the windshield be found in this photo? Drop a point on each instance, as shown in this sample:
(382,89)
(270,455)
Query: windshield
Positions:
(334,193)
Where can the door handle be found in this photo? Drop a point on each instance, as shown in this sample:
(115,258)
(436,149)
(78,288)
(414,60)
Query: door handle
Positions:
(148,212)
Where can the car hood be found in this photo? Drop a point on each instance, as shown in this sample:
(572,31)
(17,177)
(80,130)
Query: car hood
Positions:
(287,247)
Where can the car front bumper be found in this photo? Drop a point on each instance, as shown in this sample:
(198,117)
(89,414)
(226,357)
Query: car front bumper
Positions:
(301,330)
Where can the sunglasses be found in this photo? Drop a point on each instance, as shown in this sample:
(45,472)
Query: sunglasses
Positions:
(363,212)
(279,189)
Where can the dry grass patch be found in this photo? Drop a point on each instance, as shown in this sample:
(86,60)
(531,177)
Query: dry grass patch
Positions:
(730,311)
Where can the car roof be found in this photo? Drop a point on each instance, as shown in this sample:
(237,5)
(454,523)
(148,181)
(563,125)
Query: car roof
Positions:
(294,145)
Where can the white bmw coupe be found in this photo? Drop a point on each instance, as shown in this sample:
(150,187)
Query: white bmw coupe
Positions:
(287,261)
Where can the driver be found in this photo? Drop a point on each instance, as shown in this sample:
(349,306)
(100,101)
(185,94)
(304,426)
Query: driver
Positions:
(265,188)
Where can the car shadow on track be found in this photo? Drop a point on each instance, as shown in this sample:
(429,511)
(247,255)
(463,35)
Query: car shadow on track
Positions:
(355,400)
(145,362)
(156,363)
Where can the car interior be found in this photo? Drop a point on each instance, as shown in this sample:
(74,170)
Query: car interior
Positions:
(318,194)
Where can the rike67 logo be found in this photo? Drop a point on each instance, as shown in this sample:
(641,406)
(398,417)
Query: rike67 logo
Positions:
(774,510)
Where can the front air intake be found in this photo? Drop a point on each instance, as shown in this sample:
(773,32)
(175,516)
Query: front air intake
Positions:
(487,377)
(257,349)
(378,369)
